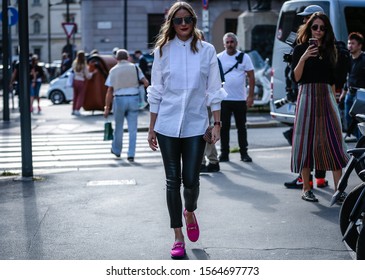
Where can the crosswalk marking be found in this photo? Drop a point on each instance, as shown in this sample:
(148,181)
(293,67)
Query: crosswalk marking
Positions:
(51,152)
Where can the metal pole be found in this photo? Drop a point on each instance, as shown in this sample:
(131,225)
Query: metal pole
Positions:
(24,94)
(125,24)
(70,51)
(49,31)
(6,73)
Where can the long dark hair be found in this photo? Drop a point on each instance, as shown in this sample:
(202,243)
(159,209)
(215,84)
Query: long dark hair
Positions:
(167,31)
(327,47)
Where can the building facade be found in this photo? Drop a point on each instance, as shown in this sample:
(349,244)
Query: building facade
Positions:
(130,24)
(47,37)
(134,24)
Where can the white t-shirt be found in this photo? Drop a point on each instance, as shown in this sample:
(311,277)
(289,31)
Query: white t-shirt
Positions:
(235,80)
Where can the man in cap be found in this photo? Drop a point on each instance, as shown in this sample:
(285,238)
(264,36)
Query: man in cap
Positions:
(310,10)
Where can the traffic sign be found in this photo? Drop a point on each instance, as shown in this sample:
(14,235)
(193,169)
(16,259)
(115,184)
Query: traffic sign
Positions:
(69,27)
(205,4)
(12,15)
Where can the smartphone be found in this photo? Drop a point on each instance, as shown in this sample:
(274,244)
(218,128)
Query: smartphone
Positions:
(313,41)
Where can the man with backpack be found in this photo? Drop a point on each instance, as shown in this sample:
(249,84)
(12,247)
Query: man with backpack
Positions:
(236,66)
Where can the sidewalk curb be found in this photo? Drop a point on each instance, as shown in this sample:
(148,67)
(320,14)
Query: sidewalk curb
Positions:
(233,126)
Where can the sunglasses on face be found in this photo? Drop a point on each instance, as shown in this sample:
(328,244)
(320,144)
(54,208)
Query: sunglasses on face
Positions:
(179,21)
(316,26)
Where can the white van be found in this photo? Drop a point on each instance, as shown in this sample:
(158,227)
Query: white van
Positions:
(346,16)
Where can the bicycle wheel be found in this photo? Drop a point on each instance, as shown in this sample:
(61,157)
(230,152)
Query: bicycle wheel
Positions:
(345,212)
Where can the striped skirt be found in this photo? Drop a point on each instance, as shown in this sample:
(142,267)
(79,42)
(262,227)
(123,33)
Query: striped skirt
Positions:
(317,136)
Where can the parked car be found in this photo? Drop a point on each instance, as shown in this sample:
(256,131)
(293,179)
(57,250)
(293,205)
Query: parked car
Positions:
(262,79)
(58,92)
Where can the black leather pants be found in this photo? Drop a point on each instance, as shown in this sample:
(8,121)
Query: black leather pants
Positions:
(190,152)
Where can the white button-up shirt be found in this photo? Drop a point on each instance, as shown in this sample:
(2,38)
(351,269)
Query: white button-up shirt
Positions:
(183,85)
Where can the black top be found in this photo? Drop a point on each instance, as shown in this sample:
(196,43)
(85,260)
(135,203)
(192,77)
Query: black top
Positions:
(356,76)
(38,70)
(316,69)
(143,65)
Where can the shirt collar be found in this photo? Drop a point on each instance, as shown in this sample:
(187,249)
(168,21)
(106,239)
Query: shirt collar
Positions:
(183,43)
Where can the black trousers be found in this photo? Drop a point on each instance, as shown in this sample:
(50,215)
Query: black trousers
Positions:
(188,151)
(238,109)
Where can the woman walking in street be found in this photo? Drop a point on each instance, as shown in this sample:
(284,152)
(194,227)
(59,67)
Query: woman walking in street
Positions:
(185,80)
(36,76)
(317,137)
(81,73)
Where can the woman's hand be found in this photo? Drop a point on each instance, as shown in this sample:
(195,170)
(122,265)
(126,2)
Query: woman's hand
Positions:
(216,134)
(312,51)
(152,140)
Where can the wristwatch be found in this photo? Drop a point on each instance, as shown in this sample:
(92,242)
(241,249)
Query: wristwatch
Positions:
(218,123)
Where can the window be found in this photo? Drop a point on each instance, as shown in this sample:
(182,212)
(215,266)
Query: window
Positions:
(36,27)
(154,24)
(231,25)
(71,17)
(290,21)
(263,40)
(38,51)
(355,19)
(36,3)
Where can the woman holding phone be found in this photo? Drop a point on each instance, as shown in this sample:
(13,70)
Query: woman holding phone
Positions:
(317,136)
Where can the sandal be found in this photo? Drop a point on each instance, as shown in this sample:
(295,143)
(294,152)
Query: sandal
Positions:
(309,196)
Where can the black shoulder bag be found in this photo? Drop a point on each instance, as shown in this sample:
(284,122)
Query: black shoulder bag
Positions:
(239,59)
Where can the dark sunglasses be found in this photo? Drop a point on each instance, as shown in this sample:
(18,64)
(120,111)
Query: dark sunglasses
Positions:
(179,21)
(321,27)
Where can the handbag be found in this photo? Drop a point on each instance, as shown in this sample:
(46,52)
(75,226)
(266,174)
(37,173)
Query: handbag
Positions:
(208,135)
(142,92)
(108,131)
(358,107)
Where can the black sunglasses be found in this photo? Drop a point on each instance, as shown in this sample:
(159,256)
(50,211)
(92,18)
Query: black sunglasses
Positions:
(179,21)
(321,27)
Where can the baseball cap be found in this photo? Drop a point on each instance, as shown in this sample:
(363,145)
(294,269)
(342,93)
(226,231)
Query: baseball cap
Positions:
(311,9)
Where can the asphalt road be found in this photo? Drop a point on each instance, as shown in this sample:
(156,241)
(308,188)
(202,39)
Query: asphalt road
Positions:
(119,211)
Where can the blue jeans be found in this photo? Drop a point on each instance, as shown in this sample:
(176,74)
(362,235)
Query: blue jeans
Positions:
(34,91)
(349,100)
(125,106)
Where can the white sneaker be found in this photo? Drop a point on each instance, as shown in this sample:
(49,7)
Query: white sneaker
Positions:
(77,113)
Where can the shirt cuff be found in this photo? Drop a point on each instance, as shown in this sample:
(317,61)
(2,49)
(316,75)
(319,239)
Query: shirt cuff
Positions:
(154,108)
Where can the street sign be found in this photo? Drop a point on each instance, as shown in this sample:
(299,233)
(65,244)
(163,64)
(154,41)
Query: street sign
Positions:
(205,4)
(12,15)
(69,28)
(205,23)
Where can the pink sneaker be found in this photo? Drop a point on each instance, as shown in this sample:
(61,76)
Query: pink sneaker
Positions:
(192,229)
(178,250)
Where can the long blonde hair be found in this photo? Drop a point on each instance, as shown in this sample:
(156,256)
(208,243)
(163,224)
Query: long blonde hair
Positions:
(80,61)
(167,31)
